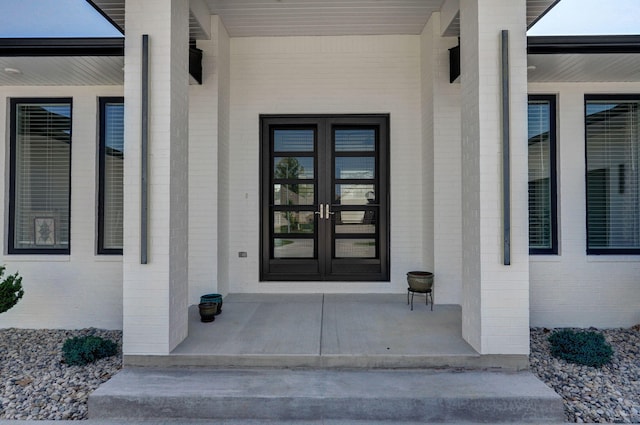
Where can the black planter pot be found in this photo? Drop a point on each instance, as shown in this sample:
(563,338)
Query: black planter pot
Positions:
(213,298)
(208,311)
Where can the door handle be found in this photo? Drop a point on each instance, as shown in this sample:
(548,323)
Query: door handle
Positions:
(328,212)
(321,211)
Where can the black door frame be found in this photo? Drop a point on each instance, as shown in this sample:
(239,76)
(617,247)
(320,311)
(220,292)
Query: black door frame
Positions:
(325,267)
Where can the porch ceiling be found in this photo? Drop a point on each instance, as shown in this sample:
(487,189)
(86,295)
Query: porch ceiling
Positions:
(254,18)
(247,18)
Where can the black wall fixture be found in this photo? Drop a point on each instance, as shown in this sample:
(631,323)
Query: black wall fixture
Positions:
(454,62)
(195,61)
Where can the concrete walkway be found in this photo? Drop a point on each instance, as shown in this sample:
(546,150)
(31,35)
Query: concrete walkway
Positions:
(327,331)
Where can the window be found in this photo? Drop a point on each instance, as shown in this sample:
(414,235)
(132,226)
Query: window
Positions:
(543,228)
(110,199)
(40,179)
(613,179)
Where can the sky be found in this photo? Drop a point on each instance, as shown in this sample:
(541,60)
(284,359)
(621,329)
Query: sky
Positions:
(77,18)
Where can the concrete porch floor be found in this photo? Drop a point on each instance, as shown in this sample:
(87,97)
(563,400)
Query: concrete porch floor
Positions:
(328,331)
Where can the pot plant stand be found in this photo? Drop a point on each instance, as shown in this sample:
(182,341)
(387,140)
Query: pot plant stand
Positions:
(420,282)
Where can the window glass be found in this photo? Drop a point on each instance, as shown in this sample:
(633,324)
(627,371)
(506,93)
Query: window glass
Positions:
(541,175)
(40,176)
(293,140)
(355,140)
(111,175)
(613,181)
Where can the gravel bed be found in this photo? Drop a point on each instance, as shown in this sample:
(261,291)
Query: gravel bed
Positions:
(610,394)
(35,384)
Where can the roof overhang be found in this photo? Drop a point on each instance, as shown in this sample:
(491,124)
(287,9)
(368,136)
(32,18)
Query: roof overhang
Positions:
(255,18)
(61,61)
(71,62)
(536,9)
(100,61)
(614,58)
(113,11)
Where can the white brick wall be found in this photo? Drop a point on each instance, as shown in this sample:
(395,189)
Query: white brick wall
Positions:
(442,154)
(156,294)
(572,288)
(209,134)
(334,75)
(66,291)
(179,174)
(495,297)
(223,68)
(203,176)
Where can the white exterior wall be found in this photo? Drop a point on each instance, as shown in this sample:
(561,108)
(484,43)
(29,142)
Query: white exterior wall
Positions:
(222,68)
(328,75)
(442,157)
(156,294)
(82,289)
(495,305)
(572,288)
(205,110)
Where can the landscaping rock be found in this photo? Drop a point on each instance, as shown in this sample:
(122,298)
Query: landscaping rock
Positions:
(608,394)
(36,384)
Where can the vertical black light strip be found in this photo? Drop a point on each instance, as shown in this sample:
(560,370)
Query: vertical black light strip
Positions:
(506,183)
(144,196)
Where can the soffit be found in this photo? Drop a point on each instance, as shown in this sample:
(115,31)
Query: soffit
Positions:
(113,11)
(62,71)
(602,58)
(536,9)
(244,18)
(580,67)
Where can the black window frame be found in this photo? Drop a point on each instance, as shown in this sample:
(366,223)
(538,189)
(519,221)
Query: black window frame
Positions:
(11,248)
(102,102)
(600,97)
(553,176)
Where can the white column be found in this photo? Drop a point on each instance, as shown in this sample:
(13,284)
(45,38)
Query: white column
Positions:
(441,155)
(208,130)
(495,297)
(155,294)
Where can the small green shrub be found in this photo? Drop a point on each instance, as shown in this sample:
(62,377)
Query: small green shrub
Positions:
(87,349)
(10,290)
(585,348)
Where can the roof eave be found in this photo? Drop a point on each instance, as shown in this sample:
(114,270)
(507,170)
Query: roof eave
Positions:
(596,44)
(103,46)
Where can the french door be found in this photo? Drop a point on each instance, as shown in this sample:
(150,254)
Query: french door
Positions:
(324,197)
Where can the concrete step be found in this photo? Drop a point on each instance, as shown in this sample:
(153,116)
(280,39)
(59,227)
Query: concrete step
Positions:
(287,395)
(235,422)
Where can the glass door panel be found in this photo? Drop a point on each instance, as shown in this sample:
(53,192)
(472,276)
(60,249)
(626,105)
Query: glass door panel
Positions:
(324,198)
(296,167)
(355,140)
(293,248)
(355,222)
(355,248)
(354,167)
(293,194)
